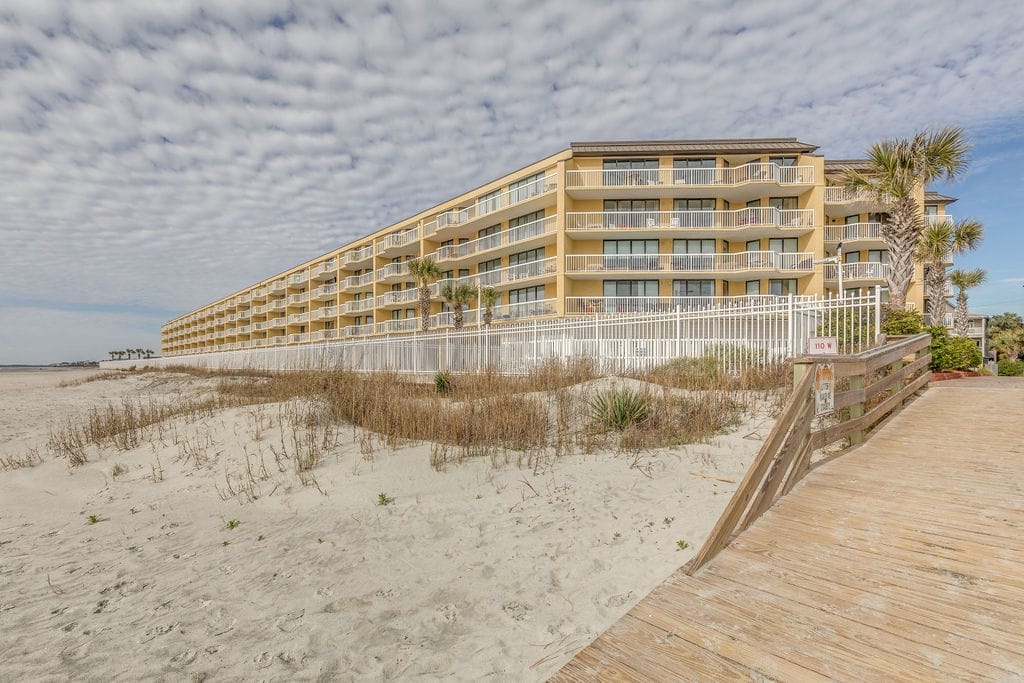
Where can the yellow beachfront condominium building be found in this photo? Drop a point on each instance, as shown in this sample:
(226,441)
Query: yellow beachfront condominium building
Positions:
(598,228)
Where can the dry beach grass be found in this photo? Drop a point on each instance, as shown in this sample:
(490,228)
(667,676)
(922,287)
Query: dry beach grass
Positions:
(306,525)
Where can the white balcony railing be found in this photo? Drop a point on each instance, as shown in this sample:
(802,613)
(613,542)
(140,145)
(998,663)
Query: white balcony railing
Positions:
(298,278)
(398,239)
(844,195)
(298,299)
(403,325)
(645,263)
(325,290)
(244,315)
(356,330)
(935,219)
(864,270)
(501,276)
(595,305)
(298,318)
(276,287)
(327,268)
(851,232)
(484,207)
(324,313)
(503,313)
(243,298)
(279,339)
(276,323)
(359,306)
(757,172)
(323,335)
(515,235)
(298,337)
(403,297)
(259,310)
(669,220)
(392,270)
(357,255)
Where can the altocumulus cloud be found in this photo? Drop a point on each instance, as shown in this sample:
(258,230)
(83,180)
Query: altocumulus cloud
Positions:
(162,154)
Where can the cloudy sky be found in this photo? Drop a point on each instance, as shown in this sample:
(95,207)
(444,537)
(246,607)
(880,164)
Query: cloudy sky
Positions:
(156,155)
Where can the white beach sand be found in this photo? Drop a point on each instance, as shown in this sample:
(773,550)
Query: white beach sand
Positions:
(473,573)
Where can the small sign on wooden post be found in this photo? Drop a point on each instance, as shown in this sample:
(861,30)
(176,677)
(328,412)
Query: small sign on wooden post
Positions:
(824,388)
(823,346)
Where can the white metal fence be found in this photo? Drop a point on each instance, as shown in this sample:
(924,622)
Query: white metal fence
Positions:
(760,333)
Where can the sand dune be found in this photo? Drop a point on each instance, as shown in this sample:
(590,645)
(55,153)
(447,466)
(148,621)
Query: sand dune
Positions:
(472,573)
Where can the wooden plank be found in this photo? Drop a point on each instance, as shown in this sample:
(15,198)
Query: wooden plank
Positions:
(979,656)
(832,434)
(737,505)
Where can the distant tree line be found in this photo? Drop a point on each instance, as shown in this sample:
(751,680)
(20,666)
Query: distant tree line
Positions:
(127,354)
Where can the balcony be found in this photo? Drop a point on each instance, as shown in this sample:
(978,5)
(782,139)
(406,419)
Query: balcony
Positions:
(359,306)
(854,232)
(843,201)
(244,329)
(323,335)
(356,330)
(404,297)
(276,323)
(324,313)
(392,272)
(298,299)
(394,242)
(259,310)
(292,338)
(935,219)
(278,305)
(870,271)
(259,294)
(276,287)
(280,339)
(299,279)
(298,318)
(357,281)
(601,265)
(325,292)
(502,276)
(505,238)
(355,257)
(243,298)
(503,313)
(732,183)
(243,315)
(495,206)
(324,271)
(601,305)
(753,221)
(404,325)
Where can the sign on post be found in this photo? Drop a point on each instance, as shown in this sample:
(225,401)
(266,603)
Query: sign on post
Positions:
(823,346)
(824,388)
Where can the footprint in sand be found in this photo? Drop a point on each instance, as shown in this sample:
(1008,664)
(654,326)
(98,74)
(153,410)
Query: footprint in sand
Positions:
(74,652)
(220,622)
(6,606)
(184,658)
(518,611)
(155,631)
(290,621)
(449,612)
(263,660)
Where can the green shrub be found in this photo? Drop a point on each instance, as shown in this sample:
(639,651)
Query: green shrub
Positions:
(620,408)
(898,322)
(1011,368)
(953,353)
(851,328)
(443,382)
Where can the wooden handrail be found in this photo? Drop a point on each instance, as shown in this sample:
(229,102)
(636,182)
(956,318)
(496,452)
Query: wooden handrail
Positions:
(786,454)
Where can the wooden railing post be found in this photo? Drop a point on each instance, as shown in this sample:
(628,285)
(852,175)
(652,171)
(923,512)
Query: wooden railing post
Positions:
(856,409)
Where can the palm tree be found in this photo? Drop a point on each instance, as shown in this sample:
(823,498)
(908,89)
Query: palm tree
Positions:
(457,297)
(938,244)
(149,353)
(113,354)
(898,171)
(128,352)
(489,297)
(426,272)
(964,280)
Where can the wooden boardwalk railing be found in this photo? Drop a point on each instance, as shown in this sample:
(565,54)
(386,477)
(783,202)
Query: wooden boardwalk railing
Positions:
(786,454)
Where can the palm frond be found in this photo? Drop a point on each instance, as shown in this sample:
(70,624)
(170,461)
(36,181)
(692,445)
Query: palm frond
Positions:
(966,279)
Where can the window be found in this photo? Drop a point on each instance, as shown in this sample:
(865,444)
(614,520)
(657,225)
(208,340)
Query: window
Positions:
(753,287)
(488,203)
(489,231)
(329,325)
(631,205)
(396,288)
(411,313)
(487,266)
(623,213)
(694,204)
(754,204)
(445,275)
(526,218)
(693,288)
(782,161)
(875,217)
(630,171)
(851,257)
(463,272)
(878,256)
(630,288)
(396,315)
(931,210)
(519,296)
(784,203)
(782,287)
(521,190)
(850,220)
(631,246)
(694,171)
(526,256)
(702,246)
(752,245)
(784,245)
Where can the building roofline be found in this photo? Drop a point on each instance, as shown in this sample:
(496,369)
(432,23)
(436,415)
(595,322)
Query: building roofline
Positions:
(716,145)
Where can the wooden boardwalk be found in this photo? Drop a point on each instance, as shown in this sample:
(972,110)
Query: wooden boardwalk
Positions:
(900,560)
